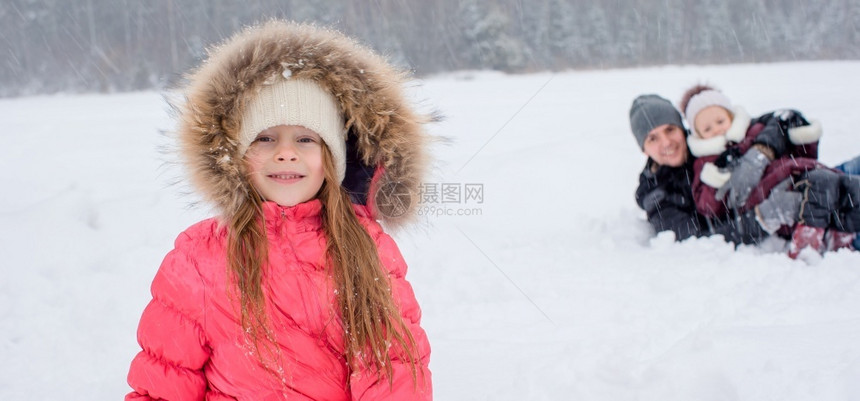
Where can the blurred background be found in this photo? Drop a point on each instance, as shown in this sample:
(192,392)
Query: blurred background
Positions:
(50,46)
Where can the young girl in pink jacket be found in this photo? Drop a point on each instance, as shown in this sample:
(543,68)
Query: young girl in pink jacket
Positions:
(302,140)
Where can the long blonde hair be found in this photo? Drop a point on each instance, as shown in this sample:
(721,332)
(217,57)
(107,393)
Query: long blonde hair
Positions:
(371,318)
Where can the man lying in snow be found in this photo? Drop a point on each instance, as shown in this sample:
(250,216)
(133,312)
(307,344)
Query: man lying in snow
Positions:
(665,184)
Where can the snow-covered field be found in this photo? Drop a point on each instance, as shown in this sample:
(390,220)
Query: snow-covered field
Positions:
(552,288)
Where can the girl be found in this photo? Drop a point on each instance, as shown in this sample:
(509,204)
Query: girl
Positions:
(294,291)
(766,164)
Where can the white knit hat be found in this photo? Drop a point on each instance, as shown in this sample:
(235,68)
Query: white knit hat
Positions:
(702,100)
(287,101)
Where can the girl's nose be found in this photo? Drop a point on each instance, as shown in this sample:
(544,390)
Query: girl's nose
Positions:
(286,152)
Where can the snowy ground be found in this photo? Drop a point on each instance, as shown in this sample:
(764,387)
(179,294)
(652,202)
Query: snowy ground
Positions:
(553,289)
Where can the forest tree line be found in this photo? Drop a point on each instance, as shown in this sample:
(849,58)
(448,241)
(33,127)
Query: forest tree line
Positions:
(119,45)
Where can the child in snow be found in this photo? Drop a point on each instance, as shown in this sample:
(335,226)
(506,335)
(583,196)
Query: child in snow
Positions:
(766,163)
(294,291)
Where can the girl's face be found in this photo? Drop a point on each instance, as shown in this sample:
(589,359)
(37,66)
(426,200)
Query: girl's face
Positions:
(284,164)
(666,145)
(713,121)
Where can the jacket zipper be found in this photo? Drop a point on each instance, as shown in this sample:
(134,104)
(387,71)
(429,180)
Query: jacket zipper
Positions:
(283,229)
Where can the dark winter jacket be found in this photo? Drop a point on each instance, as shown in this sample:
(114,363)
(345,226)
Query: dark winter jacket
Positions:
(831,199)
(793,140)
(665,193)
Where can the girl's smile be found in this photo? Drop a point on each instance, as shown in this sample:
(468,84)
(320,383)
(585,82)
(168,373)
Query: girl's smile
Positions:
(286,177)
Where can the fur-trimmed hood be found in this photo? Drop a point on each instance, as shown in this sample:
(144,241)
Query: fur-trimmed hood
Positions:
(386,145)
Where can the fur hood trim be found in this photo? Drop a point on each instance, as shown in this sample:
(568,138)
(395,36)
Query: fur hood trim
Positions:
(740,124)
(713,146)
(805,134)
(706,147)
(386,137)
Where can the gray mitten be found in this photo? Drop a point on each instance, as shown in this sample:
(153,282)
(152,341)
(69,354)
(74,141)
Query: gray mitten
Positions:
(745,177)
(653,199)
(781,207)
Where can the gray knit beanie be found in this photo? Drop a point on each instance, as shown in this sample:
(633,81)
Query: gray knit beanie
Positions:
(649,112)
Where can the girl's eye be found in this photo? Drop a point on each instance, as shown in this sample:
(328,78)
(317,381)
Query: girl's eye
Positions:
(264,139)
(307,139)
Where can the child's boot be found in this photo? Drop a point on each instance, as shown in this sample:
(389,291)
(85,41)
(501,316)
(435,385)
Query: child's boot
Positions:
(805,236)
(838,240)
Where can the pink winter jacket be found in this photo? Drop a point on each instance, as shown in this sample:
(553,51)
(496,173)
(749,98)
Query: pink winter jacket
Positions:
(193,344)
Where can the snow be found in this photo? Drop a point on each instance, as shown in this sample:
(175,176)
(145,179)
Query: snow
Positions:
(552,288)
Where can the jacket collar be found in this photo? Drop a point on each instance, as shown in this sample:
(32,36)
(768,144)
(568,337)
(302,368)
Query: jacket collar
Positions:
(306,216)
(298,212)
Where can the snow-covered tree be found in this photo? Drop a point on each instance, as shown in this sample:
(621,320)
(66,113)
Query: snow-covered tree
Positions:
(486,38)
